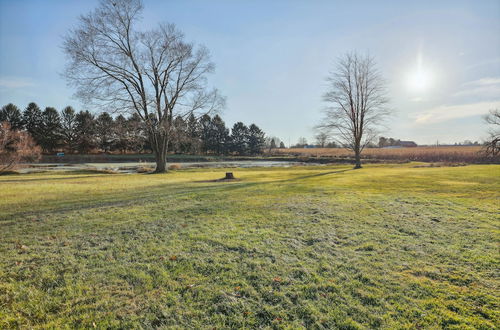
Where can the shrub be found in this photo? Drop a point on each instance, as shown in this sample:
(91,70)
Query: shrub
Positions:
(174,167)
(144,169)
(16,146)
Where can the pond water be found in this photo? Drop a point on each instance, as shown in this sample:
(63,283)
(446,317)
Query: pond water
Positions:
(132,167)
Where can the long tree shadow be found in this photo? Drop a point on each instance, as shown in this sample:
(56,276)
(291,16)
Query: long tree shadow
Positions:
(21,180)
(150,194)
(129,197)
(310,176)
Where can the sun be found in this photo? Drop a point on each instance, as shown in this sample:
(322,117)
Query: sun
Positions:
(419,79)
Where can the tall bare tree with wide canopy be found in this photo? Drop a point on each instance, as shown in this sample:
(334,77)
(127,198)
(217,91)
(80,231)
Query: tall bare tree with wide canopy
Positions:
(357,103)
(154,73)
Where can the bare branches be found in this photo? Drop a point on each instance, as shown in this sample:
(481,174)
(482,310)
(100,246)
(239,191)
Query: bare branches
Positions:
(357,102)
(492,146)
(16,146)
(149,72)
(493,118)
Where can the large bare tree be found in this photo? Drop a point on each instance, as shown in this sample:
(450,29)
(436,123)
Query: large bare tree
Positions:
(356,103)
(155,73)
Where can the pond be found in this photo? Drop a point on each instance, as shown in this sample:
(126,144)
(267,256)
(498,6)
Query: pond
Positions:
(134,167)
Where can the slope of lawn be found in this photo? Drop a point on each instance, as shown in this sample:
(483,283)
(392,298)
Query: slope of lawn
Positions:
(302,247)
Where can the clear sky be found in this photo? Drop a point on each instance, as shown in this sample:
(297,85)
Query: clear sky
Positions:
(441,59)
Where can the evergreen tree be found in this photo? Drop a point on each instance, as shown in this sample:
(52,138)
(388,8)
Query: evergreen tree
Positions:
(104,131)
(193,133)
(178,135)
(51,127)
(282,145)
(138,139)
(68,128)
(239,138)
(382,142)
(219,135)
(32,119)
(256,140)
(121,133)
(11,114)
(205,133)
(85,132)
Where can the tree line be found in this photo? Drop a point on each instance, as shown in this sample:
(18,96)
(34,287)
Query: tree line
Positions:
(83,132)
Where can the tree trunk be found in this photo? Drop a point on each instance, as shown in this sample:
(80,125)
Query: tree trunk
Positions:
(161,164)
(160,146)
(357,155)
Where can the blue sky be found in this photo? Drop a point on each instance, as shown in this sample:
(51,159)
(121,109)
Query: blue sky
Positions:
(272,57)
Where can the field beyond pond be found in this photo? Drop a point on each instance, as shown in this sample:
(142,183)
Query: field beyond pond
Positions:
(464,154)
(387,246)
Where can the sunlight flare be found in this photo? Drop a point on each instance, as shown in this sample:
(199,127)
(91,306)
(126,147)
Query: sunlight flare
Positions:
(420,79)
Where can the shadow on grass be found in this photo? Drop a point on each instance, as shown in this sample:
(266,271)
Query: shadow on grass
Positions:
(316,175)
(97,174)
(81,201)
(150,194)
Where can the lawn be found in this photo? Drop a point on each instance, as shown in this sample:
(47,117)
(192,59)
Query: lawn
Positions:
(387,246)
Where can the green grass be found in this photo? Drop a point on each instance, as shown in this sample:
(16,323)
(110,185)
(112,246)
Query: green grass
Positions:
(302,247)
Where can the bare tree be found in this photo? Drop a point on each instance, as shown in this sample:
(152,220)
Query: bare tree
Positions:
(357,103)
(154,73)
(321,139)
(493,144)
(301,143)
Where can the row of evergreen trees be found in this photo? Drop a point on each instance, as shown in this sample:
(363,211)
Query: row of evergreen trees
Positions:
(84,132)
(210,135)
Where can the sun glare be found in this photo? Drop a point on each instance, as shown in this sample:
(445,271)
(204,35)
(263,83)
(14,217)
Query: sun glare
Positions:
(420,79)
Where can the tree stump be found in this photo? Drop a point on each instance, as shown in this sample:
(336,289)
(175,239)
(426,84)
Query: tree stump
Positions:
(229,176)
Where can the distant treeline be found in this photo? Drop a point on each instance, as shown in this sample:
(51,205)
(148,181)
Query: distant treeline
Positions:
(84,132)
(391,142)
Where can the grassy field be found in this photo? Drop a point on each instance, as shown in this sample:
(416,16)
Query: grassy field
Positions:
(387,246)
